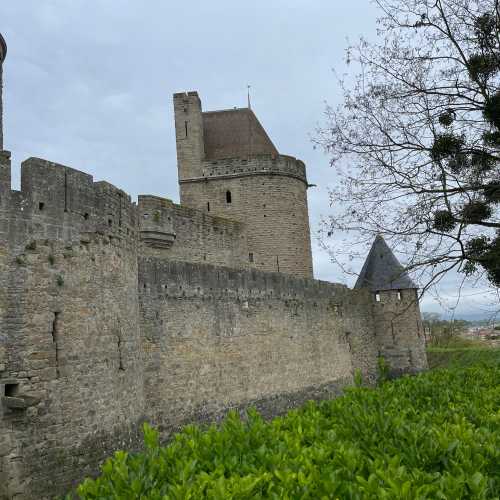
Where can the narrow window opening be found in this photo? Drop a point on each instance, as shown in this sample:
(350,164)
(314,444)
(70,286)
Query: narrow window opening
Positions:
(65,191)
(86,216)
(208,206)
(228,197)
(11,390)
(120,211)
(204,257)
(250,257)
(277,263)
(186,128)
(120,365)
(399,294)
(41,206)
(55,335)
(377,296)
(110,222)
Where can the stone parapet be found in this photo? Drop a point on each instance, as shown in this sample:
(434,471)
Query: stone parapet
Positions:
(58,202)
(283,165)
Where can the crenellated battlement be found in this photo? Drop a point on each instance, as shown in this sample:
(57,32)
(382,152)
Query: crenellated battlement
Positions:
(255,165)
(58,202)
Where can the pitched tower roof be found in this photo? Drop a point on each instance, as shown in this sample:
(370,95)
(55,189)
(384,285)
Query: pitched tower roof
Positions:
(234,133)
(382,271)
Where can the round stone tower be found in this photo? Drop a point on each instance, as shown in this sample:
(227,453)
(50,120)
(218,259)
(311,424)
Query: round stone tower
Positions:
(3,53)
(229,167)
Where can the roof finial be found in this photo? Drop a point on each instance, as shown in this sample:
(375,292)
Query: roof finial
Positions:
(248,96)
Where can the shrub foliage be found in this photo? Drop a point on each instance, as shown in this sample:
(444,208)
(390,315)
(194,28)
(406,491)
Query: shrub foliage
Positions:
(435,436)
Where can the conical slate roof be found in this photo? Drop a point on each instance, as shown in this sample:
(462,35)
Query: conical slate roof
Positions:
(382,271)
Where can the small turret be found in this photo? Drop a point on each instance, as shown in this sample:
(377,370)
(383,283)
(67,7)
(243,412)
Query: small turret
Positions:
(396,312)
(3,54)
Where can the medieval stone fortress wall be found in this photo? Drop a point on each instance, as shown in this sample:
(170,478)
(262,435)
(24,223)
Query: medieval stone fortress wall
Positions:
(114,312)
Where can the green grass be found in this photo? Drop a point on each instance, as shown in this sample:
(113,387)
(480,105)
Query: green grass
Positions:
(457,342)
(439,357)
(431,436)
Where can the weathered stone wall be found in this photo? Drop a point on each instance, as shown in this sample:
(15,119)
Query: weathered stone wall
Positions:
(58,203)
(217,338)
(196,236)
(70,351)
(274,210)
(72,378)
(399,331)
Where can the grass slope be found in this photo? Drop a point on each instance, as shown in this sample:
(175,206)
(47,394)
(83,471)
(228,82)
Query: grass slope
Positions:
(462,357)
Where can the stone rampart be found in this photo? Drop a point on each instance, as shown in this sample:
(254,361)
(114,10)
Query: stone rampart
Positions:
(113,313)
(174,232)
(219,338)
(71,378)
(58,203)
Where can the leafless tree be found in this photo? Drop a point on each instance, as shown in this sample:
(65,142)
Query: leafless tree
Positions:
(416,141)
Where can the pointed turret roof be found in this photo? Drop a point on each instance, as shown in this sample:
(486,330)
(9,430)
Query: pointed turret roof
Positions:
(382,271)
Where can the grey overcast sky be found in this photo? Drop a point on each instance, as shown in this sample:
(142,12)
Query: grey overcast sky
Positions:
(89,84)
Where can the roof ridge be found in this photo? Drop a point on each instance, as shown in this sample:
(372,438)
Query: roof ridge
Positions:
(228,110)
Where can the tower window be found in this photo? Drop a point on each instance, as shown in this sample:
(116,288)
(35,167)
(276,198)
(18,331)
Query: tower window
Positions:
(399,294)
(250,257)
(186,128)
(377,296)
(228,197)
(208,206)
(41,206)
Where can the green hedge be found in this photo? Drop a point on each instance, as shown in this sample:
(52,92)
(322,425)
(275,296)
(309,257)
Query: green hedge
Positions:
(433,436)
